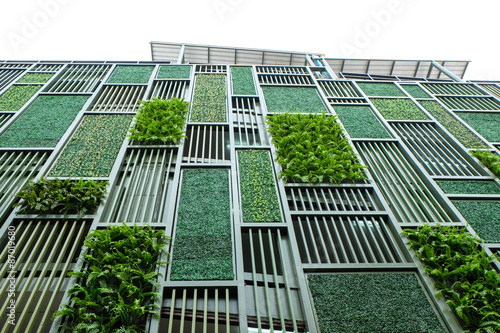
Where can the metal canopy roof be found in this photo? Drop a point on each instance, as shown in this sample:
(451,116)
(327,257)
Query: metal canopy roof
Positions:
(209,54)
(409,68)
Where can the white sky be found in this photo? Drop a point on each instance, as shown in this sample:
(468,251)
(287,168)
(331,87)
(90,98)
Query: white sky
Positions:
(377,29)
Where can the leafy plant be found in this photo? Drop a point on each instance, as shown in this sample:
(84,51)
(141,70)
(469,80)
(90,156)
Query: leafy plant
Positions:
(93,149)
(56,196)
(203,244)
(115,288)
(489,159)
(398,109)
(454,126)
(483,216)
(174,72)
(312,149)
(380,89)
(486,124)
(35,78)
(360,122)
(160,121)
(242,78)
(383,302)
(16,96)
(302,99)
(209,99)
(47,112)
(462,272)
(415,91)
(131,74)
(468,186)
(259,201)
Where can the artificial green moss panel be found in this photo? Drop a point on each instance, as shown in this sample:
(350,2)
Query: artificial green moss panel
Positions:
(209,98)
(52,112)
(131,74)
(35,78)
(486,124)
(174,72)
(16,96)
(259,201)
(302,99)
(483,216)
(242,78)
(202,239)
(373,302)
(380,89)
(93,149)
(360,122)
(398,109)
(468,187)
(415,91)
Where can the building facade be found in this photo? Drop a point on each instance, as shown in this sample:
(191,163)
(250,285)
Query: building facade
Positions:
(253,248)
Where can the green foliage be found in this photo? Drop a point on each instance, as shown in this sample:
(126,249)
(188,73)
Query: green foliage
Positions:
(312,149)
(398,109)
(302,99)
(380,89)
(174,72)
(385,302)
(56,196)
(16,96)
(259,201)
(209,100)
(203,244)
(468,186)
(35,77)
(483,216)
(486,124)
(44,122)
(160,121)
(243,83)
(115,289)
(462,273)
(489,159)
(93,149)
(454,126)
(415,91)
(131,74)
(360,122)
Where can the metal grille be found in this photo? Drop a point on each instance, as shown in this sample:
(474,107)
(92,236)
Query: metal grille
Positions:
(339,89)
(4,118)
(410,199)
(80,79)
(45,252)
(452,89)
(15,169)
(117,98)
(271,291)
(206,144)
(290,80)
(470,103)
(190,310)
(435,152)
(140,193)
(281,70)
(170,89)
(345,240)
(334,101)
(8,75)
(211,69)
(15,65)
(491,88)
(46,68)
(248,122)
(330,199)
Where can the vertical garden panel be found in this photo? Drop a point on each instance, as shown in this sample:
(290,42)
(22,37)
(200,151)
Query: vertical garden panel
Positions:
(259,200)
(16,96)
(203,239)
(209,99)
(93,149)
(242,79)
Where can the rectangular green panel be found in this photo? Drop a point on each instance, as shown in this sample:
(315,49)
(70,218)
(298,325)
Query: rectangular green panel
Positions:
(243,83)
(301,99)
(380,89)
(131,74)
(16,96)
(93,149)
(259,201)
(398,109)
(203,243)
(360,122)
(486,124)
(209,100)
(44,122)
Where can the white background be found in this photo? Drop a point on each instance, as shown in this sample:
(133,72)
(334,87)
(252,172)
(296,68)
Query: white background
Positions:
(376,29)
